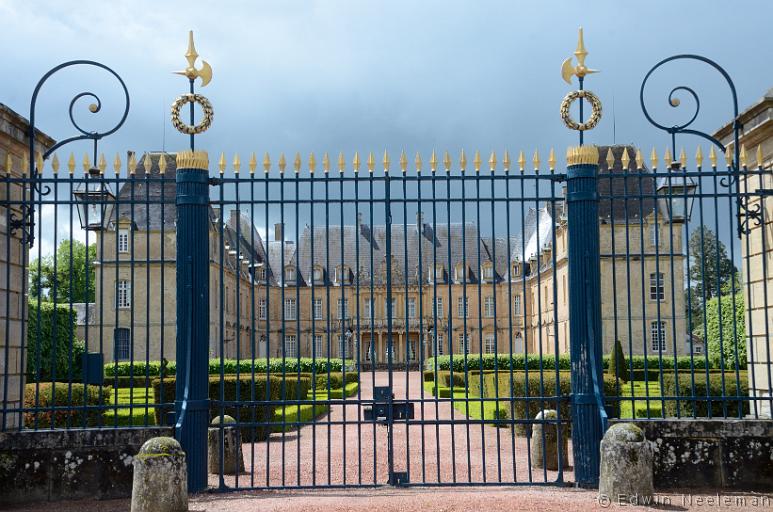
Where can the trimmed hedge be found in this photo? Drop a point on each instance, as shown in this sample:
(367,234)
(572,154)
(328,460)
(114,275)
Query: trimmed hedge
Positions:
(700,407)
(276,388)
(47,394)
(230,366)
(52,358)
(503,362)
(336,379)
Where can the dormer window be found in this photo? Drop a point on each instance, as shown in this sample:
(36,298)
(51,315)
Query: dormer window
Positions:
(460,274)
(516,269)
(259,272)
(289,274)
(318,275)
(488,272)
(342,275)
(438,274)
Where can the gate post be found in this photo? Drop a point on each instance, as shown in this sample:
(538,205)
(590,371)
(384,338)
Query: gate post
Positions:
(192,384)
(588,417)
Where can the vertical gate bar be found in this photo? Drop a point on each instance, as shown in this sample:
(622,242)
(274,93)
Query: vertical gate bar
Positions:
(510,303)
(343,315)
(162,292)
(585,312)
(557,388)
(525,299)
(146,375)
(192,403)
(358,336)
(479,265)
(421,344)
(327,326)
(492,178)
(252,280)
(639,199)
(407,318)
(297,283)
(390,313)
(238,334)
(372,306)
(465,309)
(764,248)
(435,303)
(269,277)
(314,354)
(283,330)
(223,300)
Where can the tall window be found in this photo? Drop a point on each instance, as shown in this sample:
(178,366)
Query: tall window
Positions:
(122,344)
(318,275)
(394,308)
(343,308)
(658,336)
(437,275)
(260,273)
(488,307)
(261,309)
(291,345)
(517,305)
(367,309)
(439,307)
(343,350)
(489,345)
(462,306)
(318,347)
(123,297)
(439,344)
(464,343)
(291,310)
(459,272)
(654,234)
(488,272)
(317,309)
(657,289)
(411,308)
(123,240)
(412,350)
(289,275)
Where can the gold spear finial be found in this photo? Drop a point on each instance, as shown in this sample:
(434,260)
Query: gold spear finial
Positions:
(743,155)
(282,163)
(55,163)
(699,156)
(521,161)
(654,159)
(237,163)
(403,162)
(39,162)
(102,165)
(639,159)
(447,161)
(433,161)
(326,162)
(682,158)
(221,163)
(71,163)
(535,160)
(371,162)
(417,162)
(463,161)
(667,159)
(147,163)
(728,157)
(713,157)
(356,162)
(552,160)
(610,159)
(161,164)
(116,164)
(492,162)
(580,70)
(253,162)
(132,162)
(386,161)
(266,163)
(759,156)
(625,159)
(476,161)
(86,163)
(506,161)
(341,161)
(313,162)
(190,72)
(297,163)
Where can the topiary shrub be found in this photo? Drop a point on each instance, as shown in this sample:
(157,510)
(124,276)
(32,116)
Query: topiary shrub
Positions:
(53,352)
(726,331)
(43,396)
(618,366)
(707,393)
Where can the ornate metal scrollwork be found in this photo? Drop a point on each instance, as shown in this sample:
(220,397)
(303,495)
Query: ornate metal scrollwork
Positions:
(26,221)
(745,214)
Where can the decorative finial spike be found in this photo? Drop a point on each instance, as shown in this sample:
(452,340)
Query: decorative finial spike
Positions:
(667,159)
(417,162)
(639,159)
(282,163)
(463,161)
(743,155)
(55,163)
(521,161)
(713,157)
(654,159)
(728,157)
(386,161)
(403,162)
(102,165)
(341,161)
(313,161)
(506,161)
(132,163)
(610,159)
(161,163)
(190,72)
(625,159)
(356,162)
(253,162)
(70,164)
(476,161)
(447,161)
(237,164)
(371,163)
(759,156)
(492,162)
(699,157)
(552,160)
(297,163)
(580,70)
(86,163)
(221,163)
(39,162)
(682,159)
(535,160)
(326,162)
(117,164)
(147,163)
(433,161)
(266,163)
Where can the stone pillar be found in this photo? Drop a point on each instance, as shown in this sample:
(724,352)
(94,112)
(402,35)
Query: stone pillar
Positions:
(160,477)
(757,249)
(626,465)
(14,145)
(545,442)
(233,460)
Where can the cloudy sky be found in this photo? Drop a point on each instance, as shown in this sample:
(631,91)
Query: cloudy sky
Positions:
(368,75)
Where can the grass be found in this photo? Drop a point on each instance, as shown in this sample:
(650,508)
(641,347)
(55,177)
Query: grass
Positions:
(131,416)
(298,414)
(639,389)
(350,389)
(468,404)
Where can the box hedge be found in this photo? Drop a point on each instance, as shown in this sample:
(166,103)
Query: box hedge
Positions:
(243,389)
(230,366)
(707,393)
(53,351)
(46,395)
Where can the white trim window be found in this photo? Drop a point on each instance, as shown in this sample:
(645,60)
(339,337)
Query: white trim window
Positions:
(460,273)
(317,307)
(657,286)
(291,345)
(489,346)
(290,276)
(343,309)
(517,305)
(411,307)
(488,307)
(394,308)
(654,232)
(123,295)
(123,240)
(261,309)
(367,309)
(488,272)
(318,275)
(438,275)
(438,307)
(462,307)
(464,343)
(441,348)
(318,346)
(291,309)
(658,336)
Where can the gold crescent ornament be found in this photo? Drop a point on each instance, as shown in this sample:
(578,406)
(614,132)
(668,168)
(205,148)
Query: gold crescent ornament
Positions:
(206,108)
(595,116)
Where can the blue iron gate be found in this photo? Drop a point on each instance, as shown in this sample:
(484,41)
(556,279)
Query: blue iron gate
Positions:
(447,324)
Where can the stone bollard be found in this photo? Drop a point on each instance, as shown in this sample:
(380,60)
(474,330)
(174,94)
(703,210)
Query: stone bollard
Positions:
(160,477)
(626,465)
(546,455)
(233,461)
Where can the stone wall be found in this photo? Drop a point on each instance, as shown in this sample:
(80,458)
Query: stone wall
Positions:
(13,258)
(55,465)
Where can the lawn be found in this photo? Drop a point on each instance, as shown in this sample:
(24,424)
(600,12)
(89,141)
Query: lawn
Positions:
(467,404)
(641,390)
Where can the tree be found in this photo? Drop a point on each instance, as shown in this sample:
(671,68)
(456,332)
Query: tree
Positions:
(726,330)
(618,366)
(53,351)
(710,268)
(68,278)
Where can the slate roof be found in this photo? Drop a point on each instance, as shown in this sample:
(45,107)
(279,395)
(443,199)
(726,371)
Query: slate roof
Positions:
(147,196)
(626,205)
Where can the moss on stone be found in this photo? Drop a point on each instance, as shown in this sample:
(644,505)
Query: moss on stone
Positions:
(226,420)
(624,433)
(160,447)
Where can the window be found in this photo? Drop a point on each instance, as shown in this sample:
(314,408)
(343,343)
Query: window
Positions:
(654,234)
(260,273)
(394,308)
(262,349)
(289,275)
(462,306)
(318,346)
(488,307)
(658,336)
(291,346)
(488,272)
(438,307)
(516,269)
(317,309)
(517,305)
(123,298)
(367,309)
(490,345)
(657,291)
(440,347)
(412,350)
(697,348)
(342,275)
(261,309)
(123,240)
(411,308)
(343,308)
(122,344)
(464,343)
(439,274)
(459,274)
(318,275)
(291,311)
(343,349)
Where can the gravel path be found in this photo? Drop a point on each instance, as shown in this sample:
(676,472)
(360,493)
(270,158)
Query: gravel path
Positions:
(338,450)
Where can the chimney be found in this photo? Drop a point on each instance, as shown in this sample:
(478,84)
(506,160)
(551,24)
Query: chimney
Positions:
(279,231)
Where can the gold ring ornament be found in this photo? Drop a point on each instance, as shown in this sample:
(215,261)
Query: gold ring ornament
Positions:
(595,116)
(206,108)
